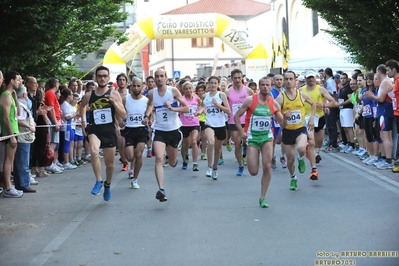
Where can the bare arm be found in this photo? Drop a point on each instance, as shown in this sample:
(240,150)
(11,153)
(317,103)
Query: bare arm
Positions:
(116,100)
(329,98)
(309,100)
(278,116)
(225,107)
(243,108)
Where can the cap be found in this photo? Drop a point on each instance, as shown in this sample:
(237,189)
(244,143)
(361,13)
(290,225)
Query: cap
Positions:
(310,73)
(301,78)
(337,76)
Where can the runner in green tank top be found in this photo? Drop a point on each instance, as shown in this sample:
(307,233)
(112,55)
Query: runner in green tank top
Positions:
(257,131)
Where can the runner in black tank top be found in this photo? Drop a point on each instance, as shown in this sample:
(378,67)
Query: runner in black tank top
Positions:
(104,104)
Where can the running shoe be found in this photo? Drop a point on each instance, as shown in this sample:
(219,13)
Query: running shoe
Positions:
(215,175)
(32,181)
(343,149)
(240,171)
(263,203)
(293,185)
(395,169)
(274,163)
(97,187)
(301,166)
(221,161)
(314,175)
(318,158)
(228,147)
(244,160)
(367,160)
(53,169)
(364,156)
(166,163)
(349,149)
(81,162)
(107,193)
(131,174)
(203,157)
(385,165)
(12,193)
(59,165)
(149,153)
(184,167)
(69,166)
(195,167)
(161,196)
(371,160)
(378,162)
(134,183)
(283,162)
(209,172)
(125,167)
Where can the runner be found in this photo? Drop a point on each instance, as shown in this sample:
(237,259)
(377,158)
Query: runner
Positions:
(295,133)
(190,125)
(318,94)
(135,133)
(200,91)
(167,136)
(121,80)
(236,96)
(216,105)
(258,133)
(104,103)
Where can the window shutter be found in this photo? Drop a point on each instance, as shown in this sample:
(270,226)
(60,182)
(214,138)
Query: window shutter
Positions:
(210,42)
(193,42)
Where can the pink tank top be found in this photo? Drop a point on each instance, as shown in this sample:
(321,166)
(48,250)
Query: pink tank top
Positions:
(236,99)
(189,119)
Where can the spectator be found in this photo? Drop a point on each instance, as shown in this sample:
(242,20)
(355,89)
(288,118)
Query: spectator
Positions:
(42,135)
(21,163)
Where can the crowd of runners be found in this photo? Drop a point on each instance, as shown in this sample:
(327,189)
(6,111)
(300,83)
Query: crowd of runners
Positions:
(305,114)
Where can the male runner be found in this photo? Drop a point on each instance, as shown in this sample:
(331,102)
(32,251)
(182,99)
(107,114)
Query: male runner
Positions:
(166,125)
(236,96)
(258,133)
(121,80)
(104,104)
(135,133)
(294,132)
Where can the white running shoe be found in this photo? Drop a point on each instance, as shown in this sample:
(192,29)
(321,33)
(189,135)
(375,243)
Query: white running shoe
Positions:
(53,169)
(69,166)
(209,172)
(12,193)
(215,175)
(134,183)
(33,181)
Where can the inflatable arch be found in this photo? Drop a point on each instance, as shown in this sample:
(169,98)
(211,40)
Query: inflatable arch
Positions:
(189,26)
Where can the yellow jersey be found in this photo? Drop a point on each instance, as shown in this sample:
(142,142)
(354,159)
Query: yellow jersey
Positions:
(297,108)
(316,96)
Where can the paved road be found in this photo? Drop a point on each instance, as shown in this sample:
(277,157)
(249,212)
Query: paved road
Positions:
(206,222)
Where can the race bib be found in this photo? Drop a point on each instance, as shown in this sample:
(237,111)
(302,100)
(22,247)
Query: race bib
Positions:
(193,110)
(213,110)
(394,103)
(134,119)
(235,108)
(102,116)
(341,101)
(367,110)
(261,123)
(295,118)
(315,120)
(161,115)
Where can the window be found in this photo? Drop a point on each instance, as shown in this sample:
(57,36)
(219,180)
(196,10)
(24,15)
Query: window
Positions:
(100,55)
(202,42)
(159,45)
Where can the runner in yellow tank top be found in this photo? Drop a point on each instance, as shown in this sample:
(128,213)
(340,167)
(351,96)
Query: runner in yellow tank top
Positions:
(315,138)
(294,132)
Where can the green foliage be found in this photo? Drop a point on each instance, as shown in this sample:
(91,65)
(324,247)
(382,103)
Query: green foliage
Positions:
(38,36)
(368,30)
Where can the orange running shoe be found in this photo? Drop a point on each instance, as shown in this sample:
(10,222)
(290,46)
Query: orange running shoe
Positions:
(125,167)
(314,175)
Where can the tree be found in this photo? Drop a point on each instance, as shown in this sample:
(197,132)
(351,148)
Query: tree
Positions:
(38,36)
(368,30)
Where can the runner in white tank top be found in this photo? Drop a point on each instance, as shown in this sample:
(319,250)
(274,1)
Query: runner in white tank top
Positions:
(166,125)
(216,105)
(135,133)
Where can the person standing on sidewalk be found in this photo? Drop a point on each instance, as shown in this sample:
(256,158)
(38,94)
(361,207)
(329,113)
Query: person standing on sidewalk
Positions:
(104,104)
(257,132)
(393,72)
